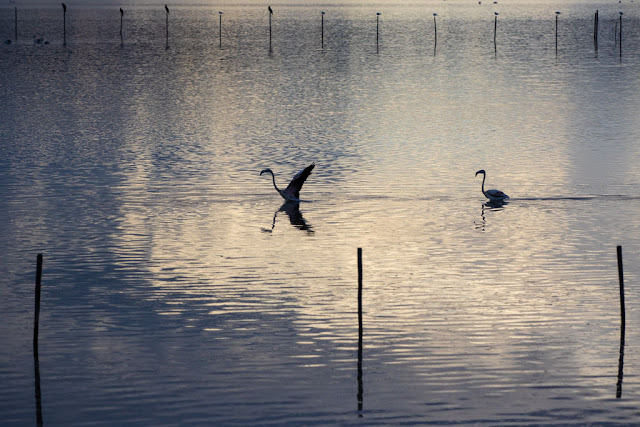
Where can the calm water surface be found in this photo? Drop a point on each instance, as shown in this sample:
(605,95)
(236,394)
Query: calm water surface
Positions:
(178,289)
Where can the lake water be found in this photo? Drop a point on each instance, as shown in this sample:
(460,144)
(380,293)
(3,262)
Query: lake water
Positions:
(178,289)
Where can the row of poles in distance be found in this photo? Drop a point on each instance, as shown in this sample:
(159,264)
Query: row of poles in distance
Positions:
(618,31)
(360,330)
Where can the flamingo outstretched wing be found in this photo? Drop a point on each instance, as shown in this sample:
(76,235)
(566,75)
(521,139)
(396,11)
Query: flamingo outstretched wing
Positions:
(293,189)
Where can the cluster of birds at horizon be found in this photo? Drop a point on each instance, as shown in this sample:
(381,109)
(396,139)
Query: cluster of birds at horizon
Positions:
(292,192)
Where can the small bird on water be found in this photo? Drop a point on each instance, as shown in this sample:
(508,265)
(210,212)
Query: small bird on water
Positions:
(493,195)
(292,192)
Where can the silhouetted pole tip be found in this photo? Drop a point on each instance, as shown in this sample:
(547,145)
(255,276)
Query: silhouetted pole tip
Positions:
(270,10)
(220,13)
(378,13)
(121,11)
(166,8)
(322,13)
(64,7)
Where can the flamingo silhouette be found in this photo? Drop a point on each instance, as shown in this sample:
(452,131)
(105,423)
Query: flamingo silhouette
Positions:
(292,192)
(493,195)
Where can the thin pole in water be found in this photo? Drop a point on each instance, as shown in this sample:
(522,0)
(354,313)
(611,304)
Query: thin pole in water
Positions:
(64,23)
(322,29)
(557,13)
(166,8)
(495,31)
(360,333)
(621,279)
(121,17)
(623,323)
(16,22)
(595,31)
(220,28)
(36,362)
(36,319)
(620,35)
(270,14)
(435,30)
(377,31)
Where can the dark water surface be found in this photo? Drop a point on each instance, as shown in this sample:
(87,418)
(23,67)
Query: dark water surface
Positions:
(178,289)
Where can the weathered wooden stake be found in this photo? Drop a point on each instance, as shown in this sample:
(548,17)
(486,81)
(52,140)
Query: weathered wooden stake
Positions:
(377,31)
(166,8)
(270,14)
(220,29)
(322,28)
(620,35)
(595,31)
(622,325)
(621,279)
(557,13)
(495,31)
(435,30)
(360,334)
(64,23)
(36,322)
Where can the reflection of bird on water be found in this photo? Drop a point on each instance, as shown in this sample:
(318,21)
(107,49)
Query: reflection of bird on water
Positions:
(292,192)
(270,10)
(493,195)
(292,209)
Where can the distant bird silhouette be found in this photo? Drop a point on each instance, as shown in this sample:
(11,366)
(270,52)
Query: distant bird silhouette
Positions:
(493,195)
(166,8)
(270,10)
(292,192)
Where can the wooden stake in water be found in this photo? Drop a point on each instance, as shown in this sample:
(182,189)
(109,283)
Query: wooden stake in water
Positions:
(121,16)
(495,30)
(377,31)
(166,8)
(360,332)
(270,14)
(595,31)
(621,279)
(622,321)
(220,28)
(64,23)
(36,322)
(620,35)
(557,13)
(435,30)
(322,28)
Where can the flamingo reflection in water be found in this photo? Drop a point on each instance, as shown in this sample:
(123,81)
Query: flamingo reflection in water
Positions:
(292,209)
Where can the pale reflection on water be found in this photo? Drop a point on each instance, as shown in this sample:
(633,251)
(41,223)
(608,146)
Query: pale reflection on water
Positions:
(179,289)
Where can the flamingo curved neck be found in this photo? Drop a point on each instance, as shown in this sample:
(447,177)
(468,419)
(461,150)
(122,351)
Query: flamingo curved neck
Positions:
(273,177)
(484,176)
